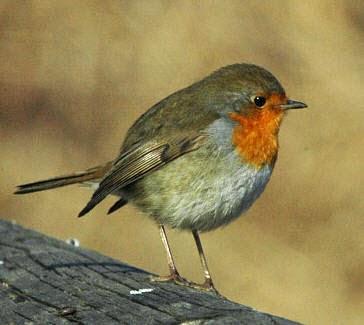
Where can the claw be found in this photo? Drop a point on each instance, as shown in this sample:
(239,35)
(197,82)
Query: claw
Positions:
(176,278)
(173,277)
(208,285)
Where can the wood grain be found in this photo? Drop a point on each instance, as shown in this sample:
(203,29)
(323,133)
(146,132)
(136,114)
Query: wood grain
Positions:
(47,281)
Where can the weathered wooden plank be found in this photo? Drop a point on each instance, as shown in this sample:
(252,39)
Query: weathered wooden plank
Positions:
(46,281)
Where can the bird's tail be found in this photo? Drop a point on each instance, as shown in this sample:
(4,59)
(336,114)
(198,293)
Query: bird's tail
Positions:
(90,175)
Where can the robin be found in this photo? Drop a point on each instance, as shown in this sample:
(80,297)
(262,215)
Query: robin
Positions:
(197,159)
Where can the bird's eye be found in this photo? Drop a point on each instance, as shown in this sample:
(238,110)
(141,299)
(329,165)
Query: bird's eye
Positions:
(259,101)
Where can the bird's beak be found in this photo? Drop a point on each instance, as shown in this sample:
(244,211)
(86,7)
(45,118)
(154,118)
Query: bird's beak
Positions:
(292,104)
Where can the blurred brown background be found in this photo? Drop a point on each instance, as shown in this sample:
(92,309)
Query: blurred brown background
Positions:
(74,75)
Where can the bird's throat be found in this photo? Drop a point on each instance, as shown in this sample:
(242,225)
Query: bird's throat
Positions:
(256,136)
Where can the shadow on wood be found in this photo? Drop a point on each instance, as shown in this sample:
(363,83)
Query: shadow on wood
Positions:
(46,281)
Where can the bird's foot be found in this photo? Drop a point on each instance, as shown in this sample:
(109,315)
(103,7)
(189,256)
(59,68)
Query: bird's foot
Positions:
(173,277)
(176,278)
(206,286)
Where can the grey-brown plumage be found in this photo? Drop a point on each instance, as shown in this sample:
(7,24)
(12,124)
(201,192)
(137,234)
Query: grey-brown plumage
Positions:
(185,162)
(94,174)
(170,124)
(141,160)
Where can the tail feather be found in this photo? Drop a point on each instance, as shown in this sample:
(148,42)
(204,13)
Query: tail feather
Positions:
(95,173)
(117,205)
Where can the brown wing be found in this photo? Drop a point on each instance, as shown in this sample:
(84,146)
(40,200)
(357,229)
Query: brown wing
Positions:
(139,161)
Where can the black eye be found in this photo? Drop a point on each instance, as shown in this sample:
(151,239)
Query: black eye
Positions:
(259,101)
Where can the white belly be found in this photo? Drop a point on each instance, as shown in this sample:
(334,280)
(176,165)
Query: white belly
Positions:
(215,199)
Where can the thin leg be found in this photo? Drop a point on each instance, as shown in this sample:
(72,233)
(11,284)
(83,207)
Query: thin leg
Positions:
(170,260)
(208,284)
(173,273)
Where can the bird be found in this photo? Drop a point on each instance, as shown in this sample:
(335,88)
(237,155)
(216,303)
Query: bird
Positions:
(196,160)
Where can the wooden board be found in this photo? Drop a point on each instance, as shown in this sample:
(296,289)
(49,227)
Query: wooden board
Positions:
(47,281)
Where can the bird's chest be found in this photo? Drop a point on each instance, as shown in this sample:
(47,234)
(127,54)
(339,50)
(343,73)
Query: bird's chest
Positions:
(256,138)
(229,182)
(233,188)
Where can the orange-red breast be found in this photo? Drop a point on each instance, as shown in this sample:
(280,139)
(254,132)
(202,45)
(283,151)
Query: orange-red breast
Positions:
(197,159)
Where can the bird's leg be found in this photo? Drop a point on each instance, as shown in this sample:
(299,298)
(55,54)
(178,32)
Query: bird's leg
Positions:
(172,266)
(173,273)
(208,284)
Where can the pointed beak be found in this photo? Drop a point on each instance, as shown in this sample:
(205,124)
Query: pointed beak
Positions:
(292,104)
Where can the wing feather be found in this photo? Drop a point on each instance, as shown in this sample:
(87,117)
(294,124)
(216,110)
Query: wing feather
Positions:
(141,160)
